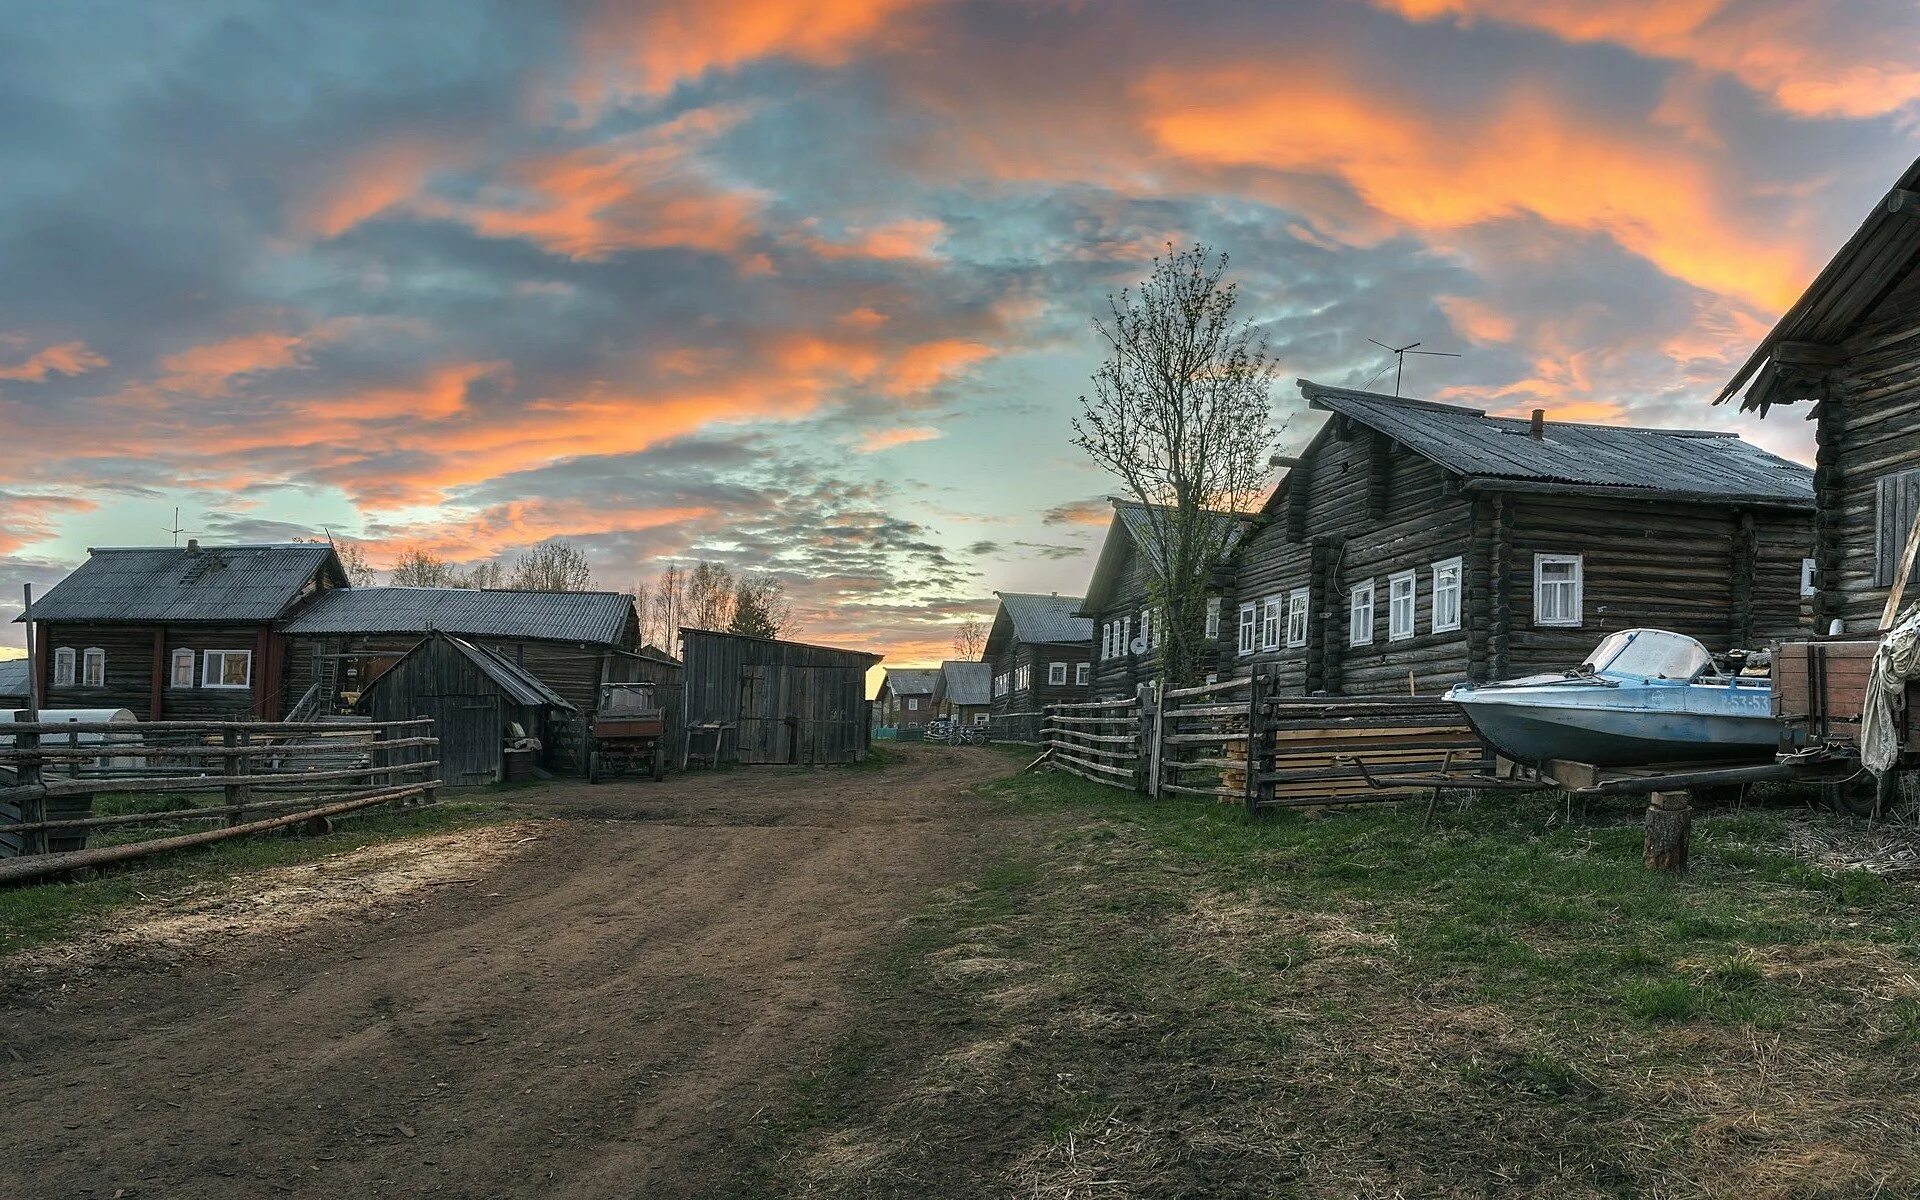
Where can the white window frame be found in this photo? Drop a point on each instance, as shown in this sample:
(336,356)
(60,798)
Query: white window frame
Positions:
(1249,629)
(1403,605)
(913,704)
(1360,633)
(179,658)
(1056,674)
(1297,616)
(1270,623)
(1579,581)
(1106,640)
(1081,673)
(88,657)
(1146,629)
(1213,618)
(1806,577)
(210,676)
(1126,634)
(1159,628)
(1449,568)
(981,718)
(64,663)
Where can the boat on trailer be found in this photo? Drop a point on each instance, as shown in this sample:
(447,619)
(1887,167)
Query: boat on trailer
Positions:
(1642,696)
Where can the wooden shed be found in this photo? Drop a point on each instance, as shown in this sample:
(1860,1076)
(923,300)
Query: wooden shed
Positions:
(476,699)
(786,702)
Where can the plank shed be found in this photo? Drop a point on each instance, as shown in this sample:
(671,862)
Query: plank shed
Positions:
(475,697)
(1414,545)
(787,702)
(1849,348)
(1037,648)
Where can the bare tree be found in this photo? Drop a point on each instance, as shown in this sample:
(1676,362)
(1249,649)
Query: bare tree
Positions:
(552,566)
(710,596)
(418,566)
(669,606)
(1180,413)
(970,638)
(487,574)
(353,557)
(760,608)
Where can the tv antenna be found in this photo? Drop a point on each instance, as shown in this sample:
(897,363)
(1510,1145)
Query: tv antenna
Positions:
(174,528)
(1400,358)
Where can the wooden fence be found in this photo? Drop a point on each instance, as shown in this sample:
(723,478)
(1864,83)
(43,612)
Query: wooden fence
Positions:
(1234,742)
(254,776)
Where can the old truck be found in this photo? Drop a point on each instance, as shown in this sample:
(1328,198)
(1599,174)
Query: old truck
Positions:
(628,733)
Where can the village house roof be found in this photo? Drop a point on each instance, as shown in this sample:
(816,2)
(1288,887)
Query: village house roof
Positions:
(965,682)
(602,618)
(904,681)
(1500,453)
(13,677)
(1133,527)
(1042,620)
(1790,361)
(518,683)
(191,583)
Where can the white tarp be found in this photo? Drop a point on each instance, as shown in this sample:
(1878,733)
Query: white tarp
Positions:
(1895,662)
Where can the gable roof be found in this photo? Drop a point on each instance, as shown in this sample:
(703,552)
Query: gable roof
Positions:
(905,681)
(188,583)
(1679,463)
(602,618)
(1132,527)
(965,682)
(519,684)
(1880,255)
(13,676)
(1051,619)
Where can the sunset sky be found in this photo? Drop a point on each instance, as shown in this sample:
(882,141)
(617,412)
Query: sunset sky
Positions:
(805,286)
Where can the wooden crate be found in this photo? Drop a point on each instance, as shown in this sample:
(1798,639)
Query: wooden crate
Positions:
(1819,687)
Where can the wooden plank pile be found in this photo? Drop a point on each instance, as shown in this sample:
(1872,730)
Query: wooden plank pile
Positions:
(1308,748)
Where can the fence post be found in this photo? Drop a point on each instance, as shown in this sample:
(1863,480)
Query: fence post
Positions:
(431,753)
(1155,754)
(1256,739)
(239,747)
(1143,740)
(33,806)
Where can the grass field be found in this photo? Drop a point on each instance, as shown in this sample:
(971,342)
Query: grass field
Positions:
(1166,1000)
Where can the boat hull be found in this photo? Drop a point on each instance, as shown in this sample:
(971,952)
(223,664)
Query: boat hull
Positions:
(1608,728)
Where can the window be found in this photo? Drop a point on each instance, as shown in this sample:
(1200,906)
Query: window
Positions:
(1023,678)
(1806,577)
(1400,589)
(1297,617)
(1896,504)
(93,667)
(980,718)
(1146,629)
(1213,618)
(1446,595)
(1556,589)
(1106,640)
(1270,623)
(1126,635)
(1249,629)
(913,704)
(1081,671)
(226,668)
(1159,626)
(63,667)
(1056,674)
(181,673)
(1360,614)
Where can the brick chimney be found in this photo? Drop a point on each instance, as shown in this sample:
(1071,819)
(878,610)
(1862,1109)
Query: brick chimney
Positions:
(193,545)
(1538,429)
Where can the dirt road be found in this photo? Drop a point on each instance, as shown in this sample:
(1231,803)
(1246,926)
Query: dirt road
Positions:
(595,1002)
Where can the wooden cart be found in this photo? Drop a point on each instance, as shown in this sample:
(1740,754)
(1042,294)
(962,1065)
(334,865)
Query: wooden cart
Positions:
(628,733)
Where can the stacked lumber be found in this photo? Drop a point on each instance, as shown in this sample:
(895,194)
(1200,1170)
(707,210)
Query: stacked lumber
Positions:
(1309,748)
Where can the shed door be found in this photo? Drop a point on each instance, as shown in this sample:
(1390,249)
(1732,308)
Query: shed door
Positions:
(469,729)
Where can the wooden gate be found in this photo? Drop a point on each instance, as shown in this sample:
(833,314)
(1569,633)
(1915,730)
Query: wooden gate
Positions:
(470,736)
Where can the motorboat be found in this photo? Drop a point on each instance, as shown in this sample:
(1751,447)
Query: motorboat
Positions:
(1642,696)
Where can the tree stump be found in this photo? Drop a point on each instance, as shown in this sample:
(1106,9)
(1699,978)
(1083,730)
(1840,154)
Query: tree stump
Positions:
(1669,831)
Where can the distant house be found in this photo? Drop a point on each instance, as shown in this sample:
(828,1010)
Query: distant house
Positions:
(1850,349)
(762,700)
(1128,626)
(182,632)
(1415,545)
(477,699)
(963,692)
(905,696)
(13,683)
(1037,650)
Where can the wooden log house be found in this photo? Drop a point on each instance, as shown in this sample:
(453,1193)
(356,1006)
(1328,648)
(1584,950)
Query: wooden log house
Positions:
(1415,545)
(905,697)
(963,692)
(178,632)
(1038,649)
(1124,646)
(1849,348)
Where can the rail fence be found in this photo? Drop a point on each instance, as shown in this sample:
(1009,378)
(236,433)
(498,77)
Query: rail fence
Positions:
(1234,742)
(241,776)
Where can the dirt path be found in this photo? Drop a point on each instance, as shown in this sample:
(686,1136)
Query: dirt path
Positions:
(594,1002)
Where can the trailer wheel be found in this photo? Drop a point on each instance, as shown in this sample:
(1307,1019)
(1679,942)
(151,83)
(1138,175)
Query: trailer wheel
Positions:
(659,766)
(593,766)
(1861,794)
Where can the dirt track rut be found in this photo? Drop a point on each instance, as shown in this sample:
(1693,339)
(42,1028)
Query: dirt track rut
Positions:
(601,1005)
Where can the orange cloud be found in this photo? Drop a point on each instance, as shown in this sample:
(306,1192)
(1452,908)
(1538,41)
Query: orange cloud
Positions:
(372,182)
(211,369)
(904,240)
(1811,59)
(1477,320)
(887,439)
(500,528)
(66,358)
(33,517)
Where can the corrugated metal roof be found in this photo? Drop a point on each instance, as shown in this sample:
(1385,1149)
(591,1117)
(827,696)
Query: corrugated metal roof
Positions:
(186,583)
(1132,528)
(1045,619)
(906,682)
(515,680)
(966,682)
(598,617)
(1883,252)
(1711,465)
(13,677)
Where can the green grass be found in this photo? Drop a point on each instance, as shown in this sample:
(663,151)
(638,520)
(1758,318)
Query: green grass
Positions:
(1154,998)
(40,913)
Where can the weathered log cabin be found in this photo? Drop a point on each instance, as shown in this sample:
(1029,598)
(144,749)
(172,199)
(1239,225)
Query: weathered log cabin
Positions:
(477,700)
(1038,650)
(1128,627)
(963,693)
(181,632)
(905,697)
(1414,545)
(1849,347)
(767,701)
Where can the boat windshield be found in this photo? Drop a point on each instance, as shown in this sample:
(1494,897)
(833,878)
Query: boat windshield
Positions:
(1648,654)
